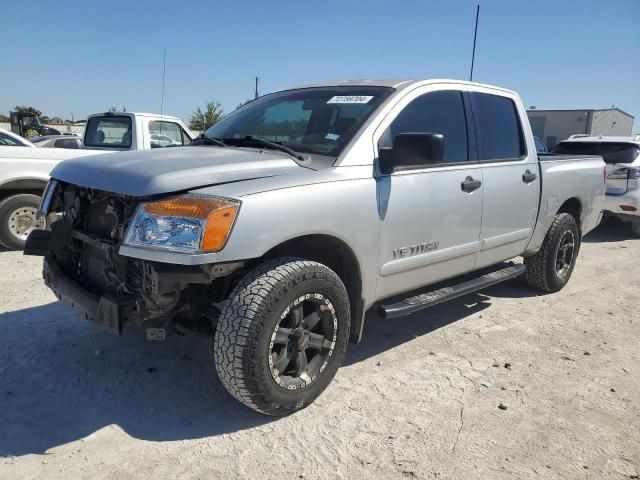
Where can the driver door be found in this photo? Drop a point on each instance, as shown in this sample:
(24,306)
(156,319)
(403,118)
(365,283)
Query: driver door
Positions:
(429,222)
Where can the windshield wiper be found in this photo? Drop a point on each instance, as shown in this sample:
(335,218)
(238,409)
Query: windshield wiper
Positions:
(215,141)
(268,144)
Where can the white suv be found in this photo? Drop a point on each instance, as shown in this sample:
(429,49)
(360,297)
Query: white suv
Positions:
(622,156)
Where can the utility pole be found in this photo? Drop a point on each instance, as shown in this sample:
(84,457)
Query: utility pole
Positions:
(257,82)
(475,34)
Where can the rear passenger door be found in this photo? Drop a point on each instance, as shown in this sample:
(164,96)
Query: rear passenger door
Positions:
(510,173)
(429,220)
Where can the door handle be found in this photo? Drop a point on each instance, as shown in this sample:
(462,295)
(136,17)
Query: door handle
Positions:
(469,184)
(528,177)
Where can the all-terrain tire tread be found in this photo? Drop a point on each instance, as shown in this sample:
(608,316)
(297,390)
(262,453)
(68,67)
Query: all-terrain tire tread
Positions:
(242,316)
(538,273)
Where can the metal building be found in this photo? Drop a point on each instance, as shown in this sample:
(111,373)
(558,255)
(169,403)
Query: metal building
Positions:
(553,126)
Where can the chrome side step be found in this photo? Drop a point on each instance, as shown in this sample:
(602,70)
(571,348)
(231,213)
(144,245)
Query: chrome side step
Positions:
(418,302)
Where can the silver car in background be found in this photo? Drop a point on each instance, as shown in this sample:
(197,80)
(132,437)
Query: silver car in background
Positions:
(622,156)
(58,141)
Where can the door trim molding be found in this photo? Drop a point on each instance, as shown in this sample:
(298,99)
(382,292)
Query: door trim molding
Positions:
(500,240)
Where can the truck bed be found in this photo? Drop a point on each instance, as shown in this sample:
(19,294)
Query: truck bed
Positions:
(567,176)
(557,157)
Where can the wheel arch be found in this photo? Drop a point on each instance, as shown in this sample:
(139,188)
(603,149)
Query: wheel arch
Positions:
(32,185)
(339,257)
(573,206)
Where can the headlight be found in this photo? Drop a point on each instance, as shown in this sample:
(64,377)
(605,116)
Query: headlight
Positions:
(189,224)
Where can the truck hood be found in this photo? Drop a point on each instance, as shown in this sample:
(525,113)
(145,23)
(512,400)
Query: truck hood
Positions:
(151,172)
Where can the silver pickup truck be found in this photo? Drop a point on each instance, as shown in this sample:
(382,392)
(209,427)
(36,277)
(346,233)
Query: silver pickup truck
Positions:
(293,216)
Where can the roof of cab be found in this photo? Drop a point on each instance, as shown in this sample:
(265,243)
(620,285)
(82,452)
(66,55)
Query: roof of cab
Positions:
(133,114)
(398,83)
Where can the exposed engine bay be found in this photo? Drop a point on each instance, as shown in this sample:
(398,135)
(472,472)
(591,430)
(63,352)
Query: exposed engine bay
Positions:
(82,250)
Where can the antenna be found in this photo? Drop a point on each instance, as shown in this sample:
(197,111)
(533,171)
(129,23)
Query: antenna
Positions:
(257,81)
(475,34)
(164,70)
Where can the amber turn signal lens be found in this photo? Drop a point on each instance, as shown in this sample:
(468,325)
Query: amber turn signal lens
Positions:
(219,215)
(193,207)
(219,224)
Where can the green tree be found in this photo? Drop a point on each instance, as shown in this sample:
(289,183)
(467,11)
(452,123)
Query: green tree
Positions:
(4,118)
(243,103)
(203,119)
(24,108)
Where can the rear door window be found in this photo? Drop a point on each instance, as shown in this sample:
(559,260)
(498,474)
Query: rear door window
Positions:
(498,127)
(108,131)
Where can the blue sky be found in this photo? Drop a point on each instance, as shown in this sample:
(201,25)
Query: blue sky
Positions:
(85,56)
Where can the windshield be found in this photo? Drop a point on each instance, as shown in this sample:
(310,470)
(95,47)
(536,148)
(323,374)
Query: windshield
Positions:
(30,120)
(611,152)
(7,140)
(319,120)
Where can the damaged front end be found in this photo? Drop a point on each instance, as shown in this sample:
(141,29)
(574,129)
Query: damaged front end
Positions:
(83,268)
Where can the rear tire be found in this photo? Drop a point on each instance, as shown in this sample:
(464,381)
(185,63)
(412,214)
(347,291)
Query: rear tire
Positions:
(635,229)
(549,270)
(282,335)
(17,219)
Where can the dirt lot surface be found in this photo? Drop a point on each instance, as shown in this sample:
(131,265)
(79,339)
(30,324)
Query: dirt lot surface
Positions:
(418,398)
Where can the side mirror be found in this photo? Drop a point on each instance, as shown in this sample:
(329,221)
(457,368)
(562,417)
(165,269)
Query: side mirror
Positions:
(410,151)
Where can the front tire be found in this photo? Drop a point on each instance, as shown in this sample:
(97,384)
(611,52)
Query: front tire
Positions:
(549,270)
(282,335)
(18,219)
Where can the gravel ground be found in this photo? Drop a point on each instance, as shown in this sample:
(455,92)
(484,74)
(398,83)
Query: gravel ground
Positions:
(418,398)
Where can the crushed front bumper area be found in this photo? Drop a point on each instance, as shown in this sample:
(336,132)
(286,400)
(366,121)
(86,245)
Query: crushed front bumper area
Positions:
(155,293)
(107,311)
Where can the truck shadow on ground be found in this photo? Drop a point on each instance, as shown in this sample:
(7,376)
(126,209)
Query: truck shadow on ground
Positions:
(382,334)
(62,379)
(610,230)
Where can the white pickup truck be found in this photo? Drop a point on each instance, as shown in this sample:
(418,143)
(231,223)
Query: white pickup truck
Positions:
(24,172)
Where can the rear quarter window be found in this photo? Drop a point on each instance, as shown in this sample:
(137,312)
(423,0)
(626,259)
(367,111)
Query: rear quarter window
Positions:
(498,127)
(108,131)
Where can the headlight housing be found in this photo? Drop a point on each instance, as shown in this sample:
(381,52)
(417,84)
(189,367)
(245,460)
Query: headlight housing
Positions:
(185,224)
